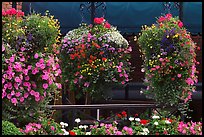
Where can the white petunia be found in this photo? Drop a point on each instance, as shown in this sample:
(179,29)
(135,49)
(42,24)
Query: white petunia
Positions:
(80,126)
(88,133)
(77,120)
(61,123)
(142,70)
(155,117)
(66,133)
(146,130)
(156,123)
(65,124)
(85,126)
(167,121)
(131,118)
(137,119)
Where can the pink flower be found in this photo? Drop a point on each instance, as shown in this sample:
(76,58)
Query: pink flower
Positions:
(45,85)
(168,16)
(27,78)
(18,94)
(86,84)
(28,128)
(3,12)
(180,24)
(161,59)
(9,96)
(26,95)
(178,75)
(153,69)
(12,59)
(22,59)
(120,74)
(34,71)
(37,99)
(21,99)
(119,133)
(17,79)
(34,85)
(14,101)
(41,60)
(29,67)
(3,94)
(157,67)
(42,66)
(22,49)
(25,72)
(59,85)
(129,130)
(161,19)
(107,25)
(36,55)
(123,82)
(52,128)
(45,77)
(37,94)
(98,20)
(189,81)
(3,48)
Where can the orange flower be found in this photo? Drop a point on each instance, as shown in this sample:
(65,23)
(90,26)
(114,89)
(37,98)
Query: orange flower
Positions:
(95,44)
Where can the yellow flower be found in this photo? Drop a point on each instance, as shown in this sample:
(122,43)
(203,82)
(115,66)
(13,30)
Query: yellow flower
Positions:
(45,48)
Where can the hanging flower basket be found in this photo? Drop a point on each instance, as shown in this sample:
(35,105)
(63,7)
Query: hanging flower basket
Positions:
(93,56)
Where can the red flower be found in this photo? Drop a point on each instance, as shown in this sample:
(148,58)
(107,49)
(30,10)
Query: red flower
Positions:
(143,122)
(107,25)
(20,13)
(104,59)
(161,19)
(168,16)
(96,45)
(119,115)
(180,24)
(136,115)
(11,11)
(172,79)
(98,20)
(71,133)
(124,114)
(101,53)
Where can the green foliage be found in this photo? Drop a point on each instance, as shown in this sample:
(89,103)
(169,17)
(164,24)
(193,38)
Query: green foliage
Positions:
(9,128)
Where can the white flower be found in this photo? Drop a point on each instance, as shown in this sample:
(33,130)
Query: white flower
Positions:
(142,70)
(167,121)
(141,92)
(146,130)
(85,126)
(137,119)
(131,118)
(88,133)
(61,123)
(155,117)
(77,120)
(80,126)
(65,124)
(156,123)
(66,133)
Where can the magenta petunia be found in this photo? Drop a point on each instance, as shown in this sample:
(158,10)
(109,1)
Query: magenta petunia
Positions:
(36,55)
(45,85)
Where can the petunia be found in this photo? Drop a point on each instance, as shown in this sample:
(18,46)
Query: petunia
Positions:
(45,85)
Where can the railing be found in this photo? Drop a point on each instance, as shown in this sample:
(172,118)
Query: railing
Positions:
(98,107)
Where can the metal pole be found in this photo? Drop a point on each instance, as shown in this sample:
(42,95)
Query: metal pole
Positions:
(92,12)
(181,11)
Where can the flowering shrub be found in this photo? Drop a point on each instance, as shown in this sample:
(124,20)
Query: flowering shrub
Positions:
(28,78)
(190,128)
(169,62)
(94,55)
(45,127)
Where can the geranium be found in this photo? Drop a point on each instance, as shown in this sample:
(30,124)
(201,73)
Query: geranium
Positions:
(169,62)
(94,56)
